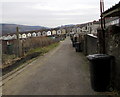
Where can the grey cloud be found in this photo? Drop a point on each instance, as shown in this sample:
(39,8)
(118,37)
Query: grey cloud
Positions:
(25,13)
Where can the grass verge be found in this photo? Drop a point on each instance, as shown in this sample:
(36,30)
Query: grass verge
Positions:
(43,50)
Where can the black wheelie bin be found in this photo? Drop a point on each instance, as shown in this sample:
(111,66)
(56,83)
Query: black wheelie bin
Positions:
(100,71)
(78,47)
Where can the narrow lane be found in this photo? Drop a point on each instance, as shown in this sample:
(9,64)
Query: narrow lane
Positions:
(60,72)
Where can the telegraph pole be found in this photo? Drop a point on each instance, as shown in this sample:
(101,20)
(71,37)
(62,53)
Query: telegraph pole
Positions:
(102,48)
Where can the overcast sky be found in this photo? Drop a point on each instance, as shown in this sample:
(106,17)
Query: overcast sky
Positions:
(51,13)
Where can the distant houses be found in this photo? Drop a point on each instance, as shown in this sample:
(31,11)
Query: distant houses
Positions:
(88,28)
(92,27)
(28,34)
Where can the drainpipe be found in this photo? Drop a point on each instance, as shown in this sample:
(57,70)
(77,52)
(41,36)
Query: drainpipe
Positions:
(119,20)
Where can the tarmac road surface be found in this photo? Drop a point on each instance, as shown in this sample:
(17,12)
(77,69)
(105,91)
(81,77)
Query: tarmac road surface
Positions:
(62,71)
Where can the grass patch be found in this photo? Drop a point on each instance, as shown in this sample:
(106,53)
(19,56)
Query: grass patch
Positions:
(43,50)
(7,59)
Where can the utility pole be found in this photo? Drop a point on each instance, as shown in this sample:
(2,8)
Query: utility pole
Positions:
(102,45)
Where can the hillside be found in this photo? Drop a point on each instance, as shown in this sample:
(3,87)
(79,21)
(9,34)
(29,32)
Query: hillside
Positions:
(11,28)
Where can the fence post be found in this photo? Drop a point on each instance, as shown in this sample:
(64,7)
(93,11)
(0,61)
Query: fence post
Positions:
(18,43)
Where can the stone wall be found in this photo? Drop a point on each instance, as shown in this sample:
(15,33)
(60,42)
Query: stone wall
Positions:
(113,48)
(90,44)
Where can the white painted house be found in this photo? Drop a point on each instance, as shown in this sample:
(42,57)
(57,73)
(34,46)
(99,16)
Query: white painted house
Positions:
(63,31)
(44,33)
(9,37)
(20,36)
(39,34)
(34,34)
(24,35)
(14,36)
(29,35)
(74,30)
(49,33)
(79,30)
(58,32)
(54,32)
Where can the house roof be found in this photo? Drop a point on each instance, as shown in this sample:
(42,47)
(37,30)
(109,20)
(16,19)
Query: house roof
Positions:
(96,22)
(113,11)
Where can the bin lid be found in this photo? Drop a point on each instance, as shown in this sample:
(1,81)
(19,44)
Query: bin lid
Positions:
(98,56)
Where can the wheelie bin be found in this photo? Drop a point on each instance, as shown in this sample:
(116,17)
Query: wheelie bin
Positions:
(100,71)
(78,46)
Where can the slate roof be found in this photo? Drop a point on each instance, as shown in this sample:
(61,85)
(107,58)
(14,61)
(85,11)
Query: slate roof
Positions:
(113,11)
